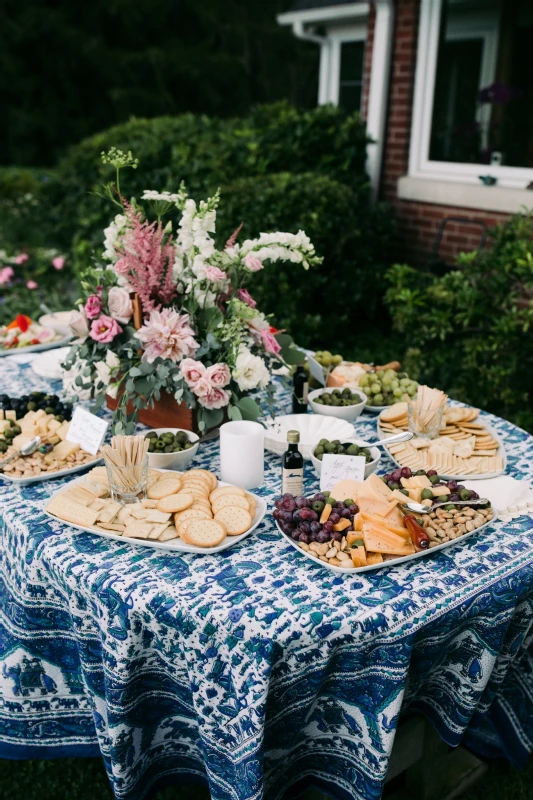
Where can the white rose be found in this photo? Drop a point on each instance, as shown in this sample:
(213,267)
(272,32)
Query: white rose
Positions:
(119,304)
(250,371)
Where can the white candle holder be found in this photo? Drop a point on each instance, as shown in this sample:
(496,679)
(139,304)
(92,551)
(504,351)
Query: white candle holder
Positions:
(242,454)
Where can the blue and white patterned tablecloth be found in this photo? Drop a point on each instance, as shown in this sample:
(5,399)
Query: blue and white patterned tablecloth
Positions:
(254,669)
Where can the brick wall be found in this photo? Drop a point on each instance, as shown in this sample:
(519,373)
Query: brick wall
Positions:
(417,223)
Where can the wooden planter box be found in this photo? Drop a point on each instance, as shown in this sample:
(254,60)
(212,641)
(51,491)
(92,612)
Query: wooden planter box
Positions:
(166,413)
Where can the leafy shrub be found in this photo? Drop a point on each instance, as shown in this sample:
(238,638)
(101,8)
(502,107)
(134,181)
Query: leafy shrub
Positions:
(470,329)
(26,215)
(278,168)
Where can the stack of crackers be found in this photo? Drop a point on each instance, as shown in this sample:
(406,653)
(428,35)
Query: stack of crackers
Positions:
(188,505)
(463,447)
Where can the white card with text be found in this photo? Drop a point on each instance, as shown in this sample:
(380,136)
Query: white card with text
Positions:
(339,468)
(87,430)
(316,370)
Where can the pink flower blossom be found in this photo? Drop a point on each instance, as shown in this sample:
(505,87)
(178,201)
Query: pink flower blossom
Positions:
(104,329)
(167,334)
(243,295)
(21,258)
(270,342)
(215,275)
(58,262)
(252,263)
(6,274)
(119,304)
(218,375)
(32,284)
(192,371)
(211,396)
(93,306)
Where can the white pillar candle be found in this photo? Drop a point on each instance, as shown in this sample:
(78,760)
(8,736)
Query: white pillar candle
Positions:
(242,454)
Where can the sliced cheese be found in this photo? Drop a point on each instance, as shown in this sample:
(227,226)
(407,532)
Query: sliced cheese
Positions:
(378,486)
(64,450)
(12,415)
(62,431)
(377,541)
(395,517)
(399,530)
(346,489)
(415,495)
(440,491)
(358,555)
(373,558)
(399,497)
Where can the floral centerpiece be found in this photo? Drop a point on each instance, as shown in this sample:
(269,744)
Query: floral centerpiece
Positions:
(166,311)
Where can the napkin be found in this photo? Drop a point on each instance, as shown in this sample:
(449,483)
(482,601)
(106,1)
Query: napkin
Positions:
(510,498)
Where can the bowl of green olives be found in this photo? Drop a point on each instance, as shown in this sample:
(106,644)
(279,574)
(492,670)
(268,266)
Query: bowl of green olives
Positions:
(171,448)
(341,403)
(349,447)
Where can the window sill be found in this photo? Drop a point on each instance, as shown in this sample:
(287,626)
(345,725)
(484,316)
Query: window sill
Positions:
(464,195)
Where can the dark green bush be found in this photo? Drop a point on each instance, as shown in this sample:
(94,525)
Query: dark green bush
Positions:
(279,168)
(470,330)
(26,214)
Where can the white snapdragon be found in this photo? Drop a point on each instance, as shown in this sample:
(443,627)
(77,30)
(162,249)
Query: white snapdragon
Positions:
(168,197)
(295,247)
(111,235)
(250,371)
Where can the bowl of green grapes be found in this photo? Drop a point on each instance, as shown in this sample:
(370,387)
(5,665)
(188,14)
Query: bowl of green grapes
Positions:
(385,387)
(171,448)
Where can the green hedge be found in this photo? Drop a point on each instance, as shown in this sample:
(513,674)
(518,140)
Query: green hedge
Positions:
(26,213)
(470,330)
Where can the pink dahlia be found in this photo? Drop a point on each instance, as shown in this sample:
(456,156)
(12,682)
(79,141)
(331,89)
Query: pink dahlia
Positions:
(167,334)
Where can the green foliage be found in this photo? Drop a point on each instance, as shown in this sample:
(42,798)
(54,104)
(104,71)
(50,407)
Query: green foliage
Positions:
(26,215)
(469,331)
(279,168)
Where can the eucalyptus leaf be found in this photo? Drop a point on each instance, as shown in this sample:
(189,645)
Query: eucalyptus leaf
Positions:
(249,408)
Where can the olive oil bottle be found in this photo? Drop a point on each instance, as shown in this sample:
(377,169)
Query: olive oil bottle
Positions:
(292,480)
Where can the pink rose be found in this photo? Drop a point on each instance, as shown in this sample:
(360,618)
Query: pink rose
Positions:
(215,275)
(192,371)
(58,262)
(93,306)
(104,329)
(78,325)
(218,375)
(252,263)
(270,342)
(6,274)
(21,258)
(243,295)
(119,304)
(32,284)
(211,396)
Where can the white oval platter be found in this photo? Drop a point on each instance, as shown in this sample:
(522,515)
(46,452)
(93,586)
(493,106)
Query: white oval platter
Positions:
(36,348)
(393,561)
(48,476)
(173,545)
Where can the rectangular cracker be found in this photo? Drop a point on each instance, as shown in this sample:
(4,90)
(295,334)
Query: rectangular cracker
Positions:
(111,526)
(68,510)
(169,533)
(109,511)
(79,495)
(154,515)
(138,530)
(147,503)
(158,530)
(97,505)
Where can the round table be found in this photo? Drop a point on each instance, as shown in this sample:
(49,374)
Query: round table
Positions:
(255,669)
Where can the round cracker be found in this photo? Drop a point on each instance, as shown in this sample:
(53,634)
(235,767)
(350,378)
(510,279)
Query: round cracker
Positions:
(175,502)
(203,508)
(235,519)
(204,533)
(253,504)
(201,488)
(162,488)
(230,500)
(190,513)
(226,490)
(205,473)
(199,501)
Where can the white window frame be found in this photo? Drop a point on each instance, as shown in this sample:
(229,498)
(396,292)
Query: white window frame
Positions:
(420,166)
(330,59)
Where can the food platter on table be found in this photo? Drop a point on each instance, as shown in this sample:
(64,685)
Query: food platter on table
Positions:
(465,448)
(370,528)
(195,512)
(46,416)
(23,335)
(61,341)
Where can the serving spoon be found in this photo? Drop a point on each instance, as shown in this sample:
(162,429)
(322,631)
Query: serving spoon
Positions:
(399,437)
(418,508)
(26,450)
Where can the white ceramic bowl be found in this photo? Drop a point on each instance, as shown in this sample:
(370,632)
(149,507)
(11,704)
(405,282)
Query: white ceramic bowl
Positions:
(58,321)
(179,460)
(312,428)
(371,467)
(349,413)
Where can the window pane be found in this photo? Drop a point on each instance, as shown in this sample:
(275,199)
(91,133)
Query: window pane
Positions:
(351,75)
(483,100)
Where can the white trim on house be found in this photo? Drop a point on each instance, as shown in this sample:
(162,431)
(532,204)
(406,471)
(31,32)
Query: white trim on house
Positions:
(464,195)
(378,92)
(329,14)
(420,166)
(330,72)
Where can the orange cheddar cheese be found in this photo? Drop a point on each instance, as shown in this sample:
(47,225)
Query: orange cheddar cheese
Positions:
(439,491)
(358,522)
(383,523)
(380,540)
(373,558)
(341,525)
(358,555)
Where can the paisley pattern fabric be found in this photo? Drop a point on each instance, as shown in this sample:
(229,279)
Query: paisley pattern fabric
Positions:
(255,669)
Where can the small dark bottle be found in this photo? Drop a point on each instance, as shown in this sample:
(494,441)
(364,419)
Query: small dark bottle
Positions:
(292,476)
(300,388)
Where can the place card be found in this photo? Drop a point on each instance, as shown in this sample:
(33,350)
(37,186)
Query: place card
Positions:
(316,370)
(339,468)
(87,430)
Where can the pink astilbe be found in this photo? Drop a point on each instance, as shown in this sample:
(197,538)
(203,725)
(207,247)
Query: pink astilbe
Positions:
(146,259)
(233,238)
